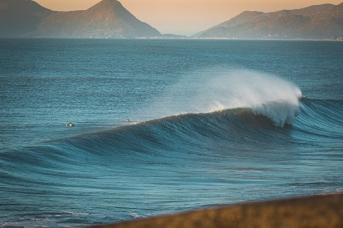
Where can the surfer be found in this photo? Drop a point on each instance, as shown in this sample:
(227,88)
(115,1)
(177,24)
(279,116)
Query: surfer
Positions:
(128,120)
(70,124)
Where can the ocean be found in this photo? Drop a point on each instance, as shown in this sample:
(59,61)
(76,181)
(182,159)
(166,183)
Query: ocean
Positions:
(211,122)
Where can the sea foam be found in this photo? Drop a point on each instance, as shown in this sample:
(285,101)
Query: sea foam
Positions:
(265,94)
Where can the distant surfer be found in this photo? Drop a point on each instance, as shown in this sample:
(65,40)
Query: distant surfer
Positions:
(70,124)
(128,120)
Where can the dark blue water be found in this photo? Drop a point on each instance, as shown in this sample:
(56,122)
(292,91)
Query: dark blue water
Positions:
(212,123)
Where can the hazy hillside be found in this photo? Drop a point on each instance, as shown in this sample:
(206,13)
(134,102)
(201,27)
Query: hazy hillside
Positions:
(18,17)
(107,19)
(314,22)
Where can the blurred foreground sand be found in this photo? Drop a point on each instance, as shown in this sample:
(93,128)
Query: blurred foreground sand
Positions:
(324,211)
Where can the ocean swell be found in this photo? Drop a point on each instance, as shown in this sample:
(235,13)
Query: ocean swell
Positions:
(133,163)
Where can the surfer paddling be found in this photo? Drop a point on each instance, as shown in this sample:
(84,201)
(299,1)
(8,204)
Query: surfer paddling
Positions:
(70,124)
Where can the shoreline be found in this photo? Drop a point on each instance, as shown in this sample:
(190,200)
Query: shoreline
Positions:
(312,211)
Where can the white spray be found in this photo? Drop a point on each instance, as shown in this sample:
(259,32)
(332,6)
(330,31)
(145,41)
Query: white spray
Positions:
(265,94)
(218,89)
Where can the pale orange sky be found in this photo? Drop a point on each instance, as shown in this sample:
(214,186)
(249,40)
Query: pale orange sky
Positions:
(186,17)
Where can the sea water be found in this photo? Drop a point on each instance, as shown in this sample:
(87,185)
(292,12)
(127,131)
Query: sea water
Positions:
(211,123)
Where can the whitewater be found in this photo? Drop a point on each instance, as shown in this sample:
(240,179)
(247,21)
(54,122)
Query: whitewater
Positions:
(211,123)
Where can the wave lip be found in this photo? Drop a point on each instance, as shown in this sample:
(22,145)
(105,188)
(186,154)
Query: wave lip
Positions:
(264,94)
(279,112)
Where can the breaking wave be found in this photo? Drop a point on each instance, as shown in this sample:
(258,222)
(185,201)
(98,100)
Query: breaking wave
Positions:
(236,142)
(220,89)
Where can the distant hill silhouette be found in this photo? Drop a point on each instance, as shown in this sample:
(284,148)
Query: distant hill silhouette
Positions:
(314,22)
(107,19)
(18,17)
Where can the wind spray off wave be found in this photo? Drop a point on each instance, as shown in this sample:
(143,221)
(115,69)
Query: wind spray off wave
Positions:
(222,89)
(267,95)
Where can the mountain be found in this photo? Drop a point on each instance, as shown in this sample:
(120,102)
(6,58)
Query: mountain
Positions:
(314,22)
(107,19)
(18,17)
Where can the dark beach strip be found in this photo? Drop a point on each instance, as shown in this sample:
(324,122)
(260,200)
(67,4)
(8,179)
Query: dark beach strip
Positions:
(315,211)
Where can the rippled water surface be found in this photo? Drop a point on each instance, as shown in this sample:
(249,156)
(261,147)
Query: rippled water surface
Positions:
(211,123)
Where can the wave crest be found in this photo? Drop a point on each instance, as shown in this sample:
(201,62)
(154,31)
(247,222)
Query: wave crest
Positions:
(219,89)
(264,94)
(280,112)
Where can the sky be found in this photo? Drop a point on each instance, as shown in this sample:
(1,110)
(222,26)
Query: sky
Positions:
(187,17)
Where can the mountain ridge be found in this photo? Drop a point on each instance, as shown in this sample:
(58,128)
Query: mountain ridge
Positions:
(109,19)
(313,22)
(106,19)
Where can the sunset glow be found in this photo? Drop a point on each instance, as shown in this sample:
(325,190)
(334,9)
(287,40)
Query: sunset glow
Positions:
(187,17)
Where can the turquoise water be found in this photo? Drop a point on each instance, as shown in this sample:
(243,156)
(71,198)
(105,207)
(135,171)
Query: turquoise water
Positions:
(212,123)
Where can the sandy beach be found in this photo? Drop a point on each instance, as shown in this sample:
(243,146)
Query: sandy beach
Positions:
(324,211)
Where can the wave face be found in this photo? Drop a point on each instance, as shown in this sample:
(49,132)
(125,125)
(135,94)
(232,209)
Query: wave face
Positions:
(156,166)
